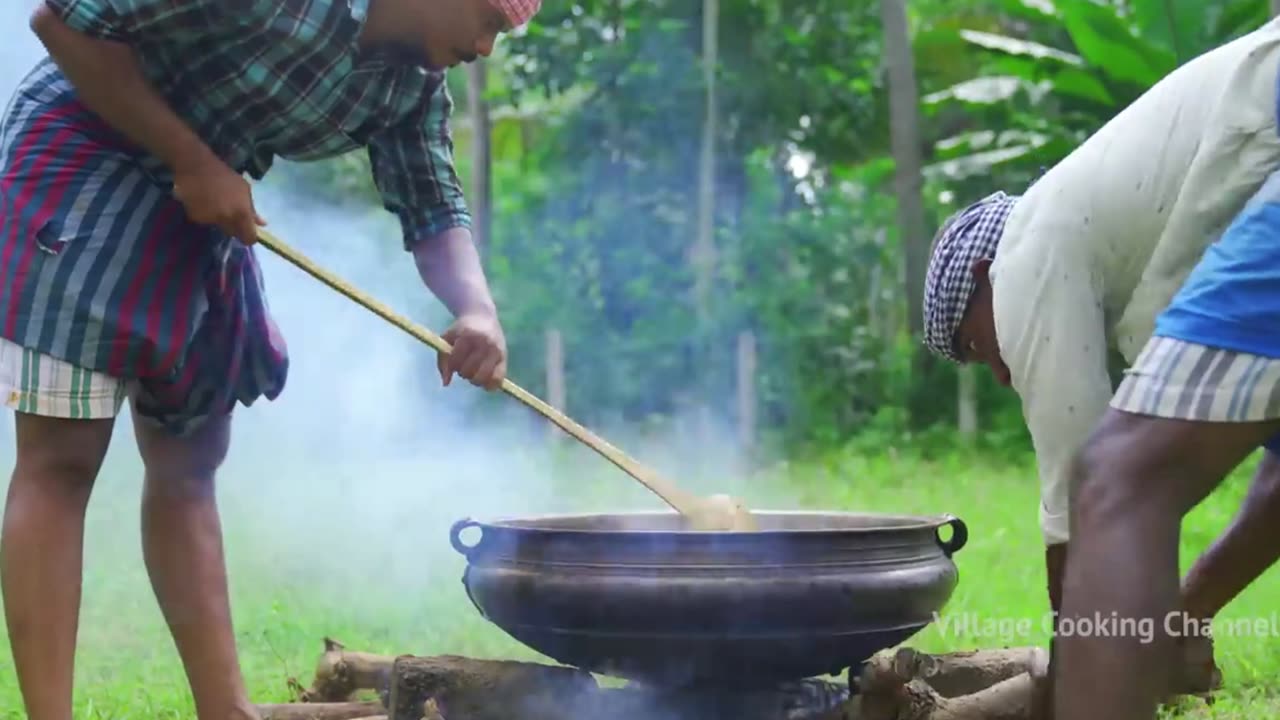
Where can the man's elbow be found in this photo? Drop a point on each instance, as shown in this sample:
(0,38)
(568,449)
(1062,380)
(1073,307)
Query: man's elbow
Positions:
(50,29)
(67,44)
(43,22)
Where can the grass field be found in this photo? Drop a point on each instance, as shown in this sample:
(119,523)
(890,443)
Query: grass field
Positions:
(310,559)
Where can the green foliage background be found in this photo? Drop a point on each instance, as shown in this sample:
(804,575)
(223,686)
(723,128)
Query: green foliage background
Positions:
(597,114)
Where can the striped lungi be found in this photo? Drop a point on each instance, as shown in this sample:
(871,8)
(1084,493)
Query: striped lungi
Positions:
(1215,352)
(100,268)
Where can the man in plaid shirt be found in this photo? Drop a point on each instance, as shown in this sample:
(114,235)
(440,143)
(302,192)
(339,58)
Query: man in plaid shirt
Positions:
(127,268)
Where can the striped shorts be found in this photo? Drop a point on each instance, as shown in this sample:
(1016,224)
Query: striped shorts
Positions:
(37,384)
(1215,351)
(1174,378)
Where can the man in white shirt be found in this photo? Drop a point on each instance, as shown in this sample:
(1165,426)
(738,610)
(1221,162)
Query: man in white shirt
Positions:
(1043,286)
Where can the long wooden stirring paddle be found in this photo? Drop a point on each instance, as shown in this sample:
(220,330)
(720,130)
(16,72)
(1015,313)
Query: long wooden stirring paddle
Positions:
(717,512)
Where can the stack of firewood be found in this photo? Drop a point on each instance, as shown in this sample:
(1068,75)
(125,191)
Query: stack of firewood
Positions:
(904,684)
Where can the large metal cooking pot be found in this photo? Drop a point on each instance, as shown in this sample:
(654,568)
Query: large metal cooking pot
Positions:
(633,596)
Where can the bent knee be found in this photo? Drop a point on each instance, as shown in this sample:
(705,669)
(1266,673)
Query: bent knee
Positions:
(183,465)
(1121,472)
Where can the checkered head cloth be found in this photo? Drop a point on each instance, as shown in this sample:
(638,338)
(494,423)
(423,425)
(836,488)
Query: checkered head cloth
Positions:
(970,235)
(518,12)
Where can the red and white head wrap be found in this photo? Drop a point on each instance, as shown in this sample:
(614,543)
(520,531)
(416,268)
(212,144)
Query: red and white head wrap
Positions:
(518,12)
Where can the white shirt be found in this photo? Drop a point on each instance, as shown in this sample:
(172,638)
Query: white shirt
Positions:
(1099,245)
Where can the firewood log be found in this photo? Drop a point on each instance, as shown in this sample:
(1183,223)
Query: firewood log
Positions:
(321,711)
(953,674)
(473,689)
(341,672)
(992,684)
(1010,699)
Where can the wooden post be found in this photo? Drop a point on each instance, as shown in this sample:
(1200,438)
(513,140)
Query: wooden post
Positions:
(747,389)
(481,196)
(555,375)
(967,401)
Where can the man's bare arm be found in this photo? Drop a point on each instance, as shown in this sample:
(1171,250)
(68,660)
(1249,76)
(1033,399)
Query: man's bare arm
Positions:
(109,80)
(450,267)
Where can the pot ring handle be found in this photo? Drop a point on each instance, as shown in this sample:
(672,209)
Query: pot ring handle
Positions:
(455,537)
(959,535)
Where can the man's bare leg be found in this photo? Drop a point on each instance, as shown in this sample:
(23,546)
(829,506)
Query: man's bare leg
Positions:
(57,463)
(1243,552)
(1249,546)
(1138,477)
(182,546)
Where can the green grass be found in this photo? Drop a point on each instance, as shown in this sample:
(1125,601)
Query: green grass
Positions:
(360,553)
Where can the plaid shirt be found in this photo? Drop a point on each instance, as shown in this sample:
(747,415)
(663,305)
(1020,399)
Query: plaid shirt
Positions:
(263,78)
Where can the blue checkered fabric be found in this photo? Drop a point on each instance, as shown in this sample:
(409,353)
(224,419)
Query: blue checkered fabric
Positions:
(971,235)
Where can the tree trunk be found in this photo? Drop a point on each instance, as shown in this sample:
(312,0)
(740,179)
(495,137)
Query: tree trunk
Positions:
(704,250)
(905,143)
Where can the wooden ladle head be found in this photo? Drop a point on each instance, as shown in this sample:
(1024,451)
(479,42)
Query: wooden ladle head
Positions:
(721,513)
